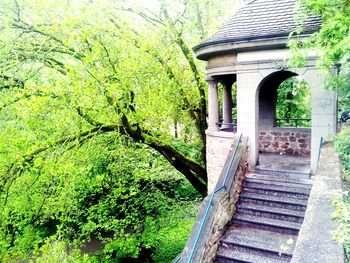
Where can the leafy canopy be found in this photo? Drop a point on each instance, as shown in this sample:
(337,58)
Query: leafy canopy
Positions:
(332,42)
(102,104)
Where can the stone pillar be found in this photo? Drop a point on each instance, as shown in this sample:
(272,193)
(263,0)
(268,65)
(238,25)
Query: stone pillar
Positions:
(218,147)
(248,112)
(213,104)
(323,112)
(227,103)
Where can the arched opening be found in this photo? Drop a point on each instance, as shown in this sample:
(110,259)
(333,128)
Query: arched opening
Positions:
(293,104)
(284,116)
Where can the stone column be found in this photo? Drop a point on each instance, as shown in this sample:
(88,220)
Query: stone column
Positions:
(248,111)
(227,104)
(213,104)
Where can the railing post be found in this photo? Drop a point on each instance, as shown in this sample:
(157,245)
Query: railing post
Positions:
(319,150)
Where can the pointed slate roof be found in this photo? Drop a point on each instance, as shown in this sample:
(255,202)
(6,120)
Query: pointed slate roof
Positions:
(261,19)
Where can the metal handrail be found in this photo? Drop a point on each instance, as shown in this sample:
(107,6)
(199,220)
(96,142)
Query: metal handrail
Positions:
(295,120)
(227,126)
(211,200)
(222,122)
(319,151)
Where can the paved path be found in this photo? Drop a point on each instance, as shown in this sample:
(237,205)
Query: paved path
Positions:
(277,162)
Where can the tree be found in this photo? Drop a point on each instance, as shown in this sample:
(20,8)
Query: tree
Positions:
(86,72)
(88,92)
(332,42)
(293,101)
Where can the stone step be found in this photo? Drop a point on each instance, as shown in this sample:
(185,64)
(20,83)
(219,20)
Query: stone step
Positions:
(257,249)
(278,187)
(273,199)
(271,216)
(271,212)
(276,192)
(231,255)
(259,239)
(293,182)
(285,173)
(228,260)
(270,224)
(248,201)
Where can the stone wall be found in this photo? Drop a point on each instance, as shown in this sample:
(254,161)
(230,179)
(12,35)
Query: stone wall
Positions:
(218,146)
(316,237)
(225,211)
(289,141)
(221,210)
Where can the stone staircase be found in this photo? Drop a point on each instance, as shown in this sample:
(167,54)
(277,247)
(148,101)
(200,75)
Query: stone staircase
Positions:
(269,214)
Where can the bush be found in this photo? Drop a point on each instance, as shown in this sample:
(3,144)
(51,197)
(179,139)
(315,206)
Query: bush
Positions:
(129,198)
(342,205)
(342,145)
(56,251)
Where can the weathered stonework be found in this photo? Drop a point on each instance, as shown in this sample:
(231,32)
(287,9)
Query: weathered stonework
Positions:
(221,210)
(218,146)
(288,141)
(225,211)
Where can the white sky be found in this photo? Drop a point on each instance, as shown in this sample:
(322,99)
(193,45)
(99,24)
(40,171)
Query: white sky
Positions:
(150,4)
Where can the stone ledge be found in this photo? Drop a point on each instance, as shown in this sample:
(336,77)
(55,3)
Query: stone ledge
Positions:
(220,134)
(291,129)
(315,243)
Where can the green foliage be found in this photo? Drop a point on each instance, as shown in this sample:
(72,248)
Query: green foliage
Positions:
(57,251)
(118,195)
(170,240)
(293,101)
(90,95)
(333,38)
(342,145)
(331,42)
(341,84)
(342,234)
(342,205)
(88,68)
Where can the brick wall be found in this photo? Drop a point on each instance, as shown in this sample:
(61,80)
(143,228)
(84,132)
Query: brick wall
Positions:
(289,141)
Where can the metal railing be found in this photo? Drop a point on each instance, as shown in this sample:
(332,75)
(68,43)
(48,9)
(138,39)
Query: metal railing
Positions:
(227,126)
(222,186)
(319,151)
(293,122)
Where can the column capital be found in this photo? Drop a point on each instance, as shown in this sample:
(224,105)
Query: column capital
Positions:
(211,80)
(227,83)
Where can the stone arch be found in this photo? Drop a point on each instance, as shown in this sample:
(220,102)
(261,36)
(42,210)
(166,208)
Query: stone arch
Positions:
(272,138)
(267,96)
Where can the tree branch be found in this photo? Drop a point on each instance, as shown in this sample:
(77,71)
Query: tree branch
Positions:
(194,172)
(187,52)
(17,167)
(152,20)
(27,96)
(31,29)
